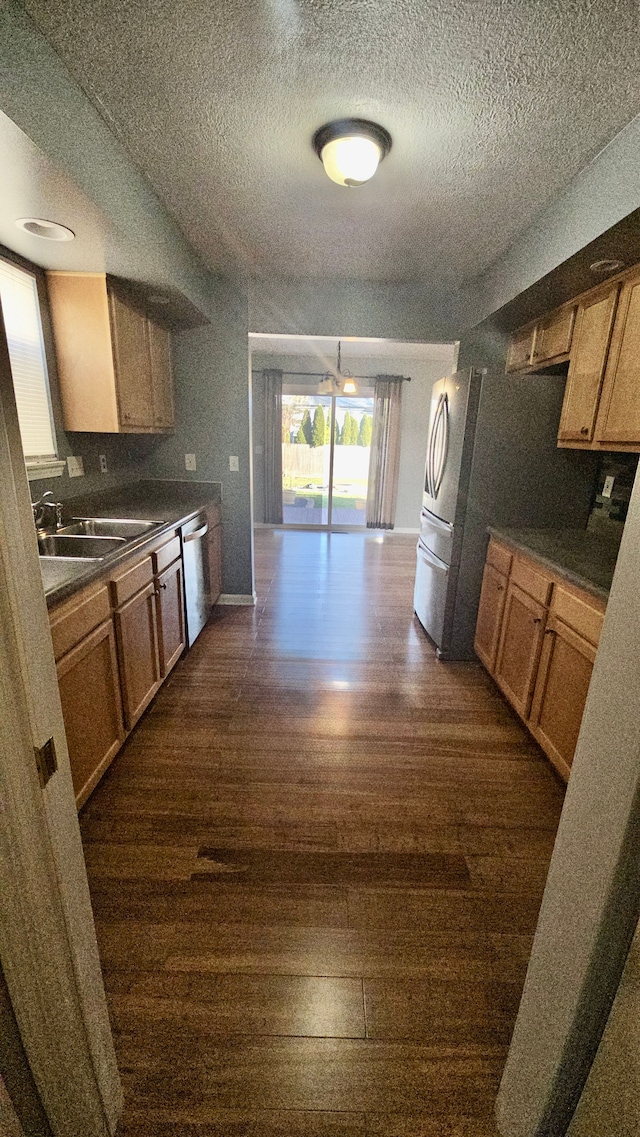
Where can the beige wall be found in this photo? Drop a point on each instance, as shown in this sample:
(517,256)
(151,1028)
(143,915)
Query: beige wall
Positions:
(610,1102)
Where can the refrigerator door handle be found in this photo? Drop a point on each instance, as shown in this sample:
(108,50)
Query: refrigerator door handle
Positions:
(440,448)
(430,478)
(435,522)
(430,559)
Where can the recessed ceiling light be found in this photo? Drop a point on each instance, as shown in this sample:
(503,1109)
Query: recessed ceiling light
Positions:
(606,265)
(48,230)
(351,149)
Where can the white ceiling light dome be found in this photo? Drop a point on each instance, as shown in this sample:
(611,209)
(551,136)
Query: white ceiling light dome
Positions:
(351,149)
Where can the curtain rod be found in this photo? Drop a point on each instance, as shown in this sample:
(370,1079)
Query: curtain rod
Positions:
(324,374)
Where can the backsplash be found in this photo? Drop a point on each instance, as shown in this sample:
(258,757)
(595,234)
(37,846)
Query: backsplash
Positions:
(613,490)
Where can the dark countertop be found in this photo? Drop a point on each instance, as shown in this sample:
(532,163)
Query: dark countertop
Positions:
(580,557)
(168,503)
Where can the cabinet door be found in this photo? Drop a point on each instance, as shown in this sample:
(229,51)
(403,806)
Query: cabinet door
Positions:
(161,377)
(91,707)
(170,607)
(132,365)
(619,417)
(490,611)
(520,350)
(138,650)
(215,562)
(591,338)
(561,690)
(553,336)
(519,649)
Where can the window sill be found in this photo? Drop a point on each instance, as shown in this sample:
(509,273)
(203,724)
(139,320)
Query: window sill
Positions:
(41,470)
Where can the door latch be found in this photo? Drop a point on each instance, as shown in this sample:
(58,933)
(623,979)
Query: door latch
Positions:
(46,761)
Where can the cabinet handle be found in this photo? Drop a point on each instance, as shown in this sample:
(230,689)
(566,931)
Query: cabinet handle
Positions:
(584,430)
(500,587)
(537,619)
(549,631)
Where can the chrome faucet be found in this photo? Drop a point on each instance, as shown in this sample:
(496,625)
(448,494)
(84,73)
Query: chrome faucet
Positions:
(47,513)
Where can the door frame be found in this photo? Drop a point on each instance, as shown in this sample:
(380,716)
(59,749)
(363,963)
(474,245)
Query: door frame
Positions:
(47,939)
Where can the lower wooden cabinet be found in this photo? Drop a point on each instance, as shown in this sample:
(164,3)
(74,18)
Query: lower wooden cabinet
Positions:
(136,626)
(91,707)
(538,637)
(519,648)
(170,614)
(561,690)
(492,598)
(115,641)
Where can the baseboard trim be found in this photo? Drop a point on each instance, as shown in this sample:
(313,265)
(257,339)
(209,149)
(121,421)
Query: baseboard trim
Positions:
(397,530)
(239,598)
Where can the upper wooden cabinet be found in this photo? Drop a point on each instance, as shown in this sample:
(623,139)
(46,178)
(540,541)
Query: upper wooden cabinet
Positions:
(544,342)
(114,363)
(618,419)
(553,337)
(520,349)
(591,338)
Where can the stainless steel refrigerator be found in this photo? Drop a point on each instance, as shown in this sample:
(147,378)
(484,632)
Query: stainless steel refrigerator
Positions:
(492,459)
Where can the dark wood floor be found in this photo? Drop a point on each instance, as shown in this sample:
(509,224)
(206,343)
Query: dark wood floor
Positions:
(316,867)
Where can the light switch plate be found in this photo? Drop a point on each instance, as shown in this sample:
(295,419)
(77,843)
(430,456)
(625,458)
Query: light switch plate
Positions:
(189,461)
(103,463)
(75,466)
(233,463)
(607,488)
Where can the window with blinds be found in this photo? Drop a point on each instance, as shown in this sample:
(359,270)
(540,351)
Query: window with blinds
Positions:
(21,312)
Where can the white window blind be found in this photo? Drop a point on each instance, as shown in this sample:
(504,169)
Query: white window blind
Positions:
(21,312)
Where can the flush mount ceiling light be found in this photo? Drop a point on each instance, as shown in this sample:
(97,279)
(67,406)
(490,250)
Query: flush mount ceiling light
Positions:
(48,230)
(351,149)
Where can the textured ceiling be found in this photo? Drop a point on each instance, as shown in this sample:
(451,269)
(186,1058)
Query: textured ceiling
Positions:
(493,106)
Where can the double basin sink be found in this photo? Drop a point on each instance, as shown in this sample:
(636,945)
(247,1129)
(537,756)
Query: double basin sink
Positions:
(91,538)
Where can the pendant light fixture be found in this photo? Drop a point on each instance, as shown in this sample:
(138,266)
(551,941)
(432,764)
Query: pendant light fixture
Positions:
(351,149)
(337,382)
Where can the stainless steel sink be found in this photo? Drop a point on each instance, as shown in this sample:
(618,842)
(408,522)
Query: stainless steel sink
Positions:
(78,547)
(107,527)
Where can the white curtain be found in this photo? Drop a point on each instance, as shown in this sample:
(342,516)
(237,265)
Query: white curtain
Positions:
(272,446)
(382,492)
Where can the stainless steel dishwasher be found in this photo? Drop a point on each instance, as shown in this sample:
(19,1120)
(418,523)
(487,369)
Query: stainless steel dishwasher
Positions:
(196,575)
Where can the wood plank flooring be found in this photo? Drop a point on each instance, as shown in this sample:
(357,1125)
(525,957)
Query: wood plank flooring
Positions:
(316,867)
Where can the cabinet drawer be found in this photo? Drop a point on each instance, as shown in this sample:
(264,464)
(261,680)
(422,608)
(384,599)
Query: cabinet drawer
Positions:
(584,618)
(499,557)
(75,620)
(531,580)
(166,555)
(130,580)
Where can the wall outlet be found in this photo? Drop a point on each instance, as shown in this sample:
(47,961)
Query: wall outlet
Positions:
(75,466)
(233,463)
(189,461)
(607,488)
(102,458)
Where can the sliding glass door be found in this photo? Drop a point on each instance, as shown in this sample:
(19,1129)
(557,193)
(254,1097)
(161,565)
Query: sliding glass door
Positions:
(326,443)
